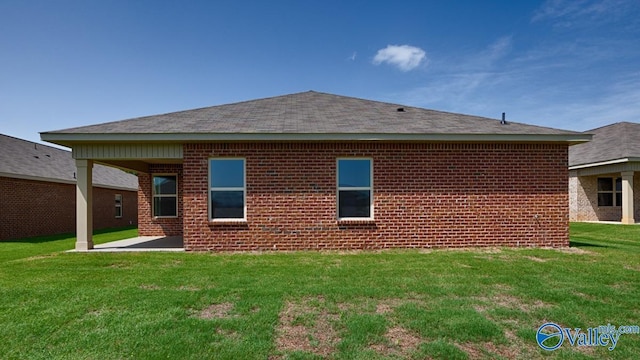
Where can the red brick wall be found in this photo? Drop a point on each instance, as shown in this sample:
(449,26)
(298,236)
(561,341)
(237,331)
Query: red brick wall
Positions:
(104,212)
(35,208)
(147,224)
(425,195)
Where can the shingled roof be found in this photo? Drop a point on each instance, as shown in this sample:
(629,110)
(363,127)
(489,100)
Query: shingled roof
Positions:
(318,115)
(617,141)
(28,160)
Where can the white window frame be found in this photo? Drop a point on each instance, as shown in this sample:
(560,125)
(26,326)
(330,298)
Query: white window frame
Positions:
(118,205)
(154,195)
(614,192)
(339,188)
(243,189)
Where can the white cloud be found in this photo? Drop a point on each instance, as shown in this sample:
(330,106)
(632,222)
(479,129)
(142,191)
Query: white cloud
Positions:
(353,56)
(405,57)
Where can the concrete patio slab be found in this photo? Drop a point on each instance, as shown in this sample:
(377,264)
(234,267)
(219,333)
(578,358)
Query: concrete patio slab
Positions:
(141,243)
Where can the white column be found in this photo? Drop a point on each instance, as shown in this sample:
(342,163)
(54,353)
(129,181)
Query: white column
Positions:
(84,205)
(627,198)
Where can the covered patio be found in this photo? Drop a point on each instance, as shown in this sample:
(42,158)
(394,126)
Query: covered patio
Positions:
(137,158)
(141,244)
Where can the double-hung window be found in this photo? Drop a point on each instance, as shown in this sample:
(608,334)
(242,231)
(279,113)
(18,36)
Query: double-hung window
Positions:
(118,205)
(609,192)
(355,188)
(227,190)
(165,196)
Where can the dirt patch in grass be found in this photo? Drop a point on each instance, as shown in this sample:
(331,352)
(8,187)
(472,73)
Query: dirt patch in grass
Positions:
(149,287)
(490,350)
(400,342)
(573,250)
(189,288)
(634,268)
(228,333)
(172,263)
(510,302)
(40,257)
(383,308)
(586,296)
(388,305)
(216,311)
(536,259)
(315,335)
(120,265)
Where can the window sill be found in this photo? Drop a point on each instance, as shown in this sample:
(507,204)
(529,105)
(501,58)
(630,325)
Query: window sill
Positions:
(228,222)
(356,221)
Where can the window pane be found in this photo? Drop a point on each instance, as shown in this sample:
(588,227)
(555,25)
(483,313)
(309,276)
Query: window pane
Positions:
(227,204)
(118,211)
(354,203)
(354,173)
(618,199)
(164,185)
(227,173)
(605,199)
(605,184)
(165,206)
(619,184)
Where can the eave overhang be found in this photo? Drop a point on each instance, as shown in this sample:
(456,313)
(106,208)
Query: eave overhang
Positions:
(69,139)
(604,163)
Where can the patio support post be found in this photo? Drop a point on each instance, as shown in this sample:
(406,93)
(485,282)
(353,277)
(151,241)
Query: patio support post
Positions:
(84,205)
(627,198)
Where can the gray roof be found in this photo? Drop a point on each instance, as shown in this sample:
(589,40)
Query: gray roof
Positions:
(612,142)
(307,113)
(28,160)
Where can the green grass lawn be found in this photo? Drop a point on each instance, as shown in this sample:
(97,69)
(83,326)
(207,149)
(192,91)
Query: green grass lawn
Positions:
(453,304)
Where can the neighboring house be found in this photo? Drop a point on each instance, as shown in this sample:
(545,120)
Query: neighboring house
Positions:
(602,185)
(38,191)
(320,171)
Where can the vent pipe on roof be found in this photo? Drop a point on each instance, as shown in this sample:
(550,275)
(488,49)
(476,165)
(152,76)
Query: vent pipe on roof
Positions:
(504,119)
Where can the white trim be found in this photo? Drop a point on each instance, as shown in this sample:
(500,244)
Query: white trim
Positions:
(154,195)
(339,188)
(243,189)
(68,139)
(602,163)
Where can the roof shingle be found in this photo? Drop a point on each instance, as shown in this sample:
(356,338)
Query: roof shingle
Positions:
(25,159)
(616,141)
(311,113)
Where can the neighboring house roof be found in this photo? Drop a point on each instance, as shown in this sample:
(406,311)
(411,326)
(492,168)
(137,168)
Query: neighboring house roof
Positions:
(617,142)
(28,160)
(310,116)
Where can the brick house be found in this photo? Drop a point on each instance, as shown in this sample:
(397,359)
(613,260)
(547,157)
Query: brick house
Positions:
(321,171)
(38,192)
(601,175)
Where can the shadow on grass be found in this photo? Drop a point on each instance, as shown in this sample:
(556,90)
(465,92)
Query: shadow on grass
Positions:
(58,237)
(573,243)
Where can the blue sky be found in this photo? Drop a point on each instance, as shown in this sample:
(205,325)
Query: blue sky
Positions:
(566,64)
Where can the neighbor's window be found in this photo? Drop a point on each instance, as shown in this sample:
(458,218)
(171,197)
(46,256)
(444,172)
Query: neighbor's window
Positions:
(609,192)
(165,196)
(227,191)
(118,205)
(355,188)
